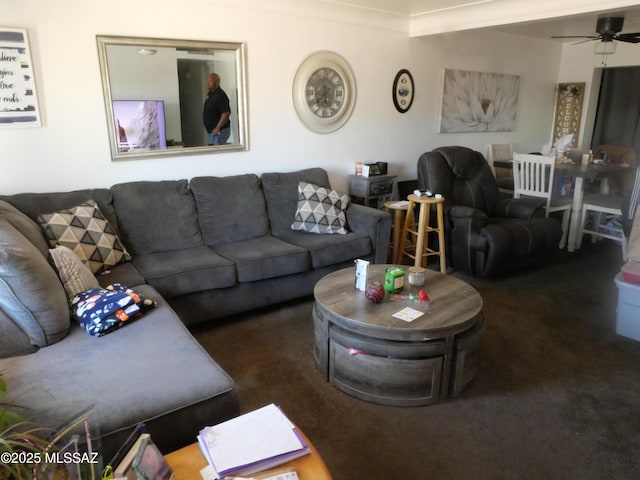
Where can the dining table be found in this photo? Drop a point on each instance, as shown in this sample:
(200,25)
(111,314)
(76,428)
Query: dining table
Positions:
(580,173)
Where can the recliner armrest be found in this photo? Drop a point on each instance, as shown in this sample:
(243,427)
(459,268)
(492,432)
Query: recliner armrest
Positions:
(464,237)
(459,212)
(375,223)
(522,208)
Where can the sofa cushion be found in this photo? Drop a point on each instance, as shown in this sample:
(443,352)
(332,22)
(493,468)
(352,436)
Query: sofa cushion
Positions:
(74,275)
(320,210)
(24,225)
(230,209)
(184,271)
(31,296)
(125,273)
(331,249)
(156,216)
(281,193)
(265,257)
(152,371)
(33,204)
(13,340)
(86,231)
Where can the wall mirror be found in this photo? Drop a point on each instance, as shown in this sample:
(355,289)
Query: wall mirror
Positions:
(154,93)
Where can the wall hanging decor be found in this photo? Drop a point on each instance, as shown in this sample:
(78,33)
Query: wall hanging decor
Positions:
(154,92)
(18,100)
(569,101)
(478,102)
(324,91)
(402,92)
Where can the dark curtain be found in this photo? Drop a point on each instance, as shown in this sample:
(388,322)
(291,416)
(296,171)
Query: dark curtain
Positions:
(618,114)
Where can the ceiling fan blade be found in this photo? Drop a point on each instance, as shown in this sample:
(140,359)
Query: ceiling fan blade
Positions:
(577,36)
(628,37)
(592,39)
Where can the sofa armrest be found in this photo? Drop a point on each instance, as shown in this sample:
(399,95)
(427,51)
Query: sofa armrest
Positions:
(376,224)
(522,208)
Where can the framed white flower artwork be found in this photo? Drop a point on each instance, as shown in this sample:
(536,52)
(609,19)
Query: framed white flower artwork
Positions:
(478,102)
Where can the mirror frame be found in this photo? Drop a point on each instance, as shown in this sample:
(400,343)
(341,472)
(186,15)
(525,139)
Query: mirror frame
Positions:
(104,41)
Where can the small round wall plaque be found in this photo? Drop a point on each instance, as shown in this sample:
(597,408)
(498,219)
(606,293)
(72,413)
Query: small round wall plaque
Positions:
(403,90)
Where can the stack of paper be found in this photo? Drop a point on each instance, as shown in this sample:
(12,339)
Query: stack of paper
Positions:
(252,442)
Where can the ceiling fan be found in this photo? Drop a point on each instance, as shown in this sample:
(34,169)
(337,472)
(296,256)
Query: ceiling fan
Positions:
(608,30)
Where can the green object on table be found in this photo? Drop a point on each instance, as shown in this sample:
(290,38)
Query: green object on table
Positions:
(394,279)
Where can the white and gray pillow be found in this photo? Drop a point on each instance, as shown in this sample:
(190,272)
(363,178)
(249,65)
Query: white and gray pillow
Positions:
(320,210)
(74,275)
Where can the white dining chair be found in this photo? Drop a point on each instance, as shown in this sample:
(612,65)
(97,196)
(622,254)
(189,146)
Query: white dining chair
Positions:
(533,176)
(606,211)
(504,177)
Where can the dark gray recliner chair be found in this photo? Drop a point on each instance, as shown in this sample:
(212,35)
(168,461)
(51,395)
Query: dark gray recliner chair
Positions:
(485,235)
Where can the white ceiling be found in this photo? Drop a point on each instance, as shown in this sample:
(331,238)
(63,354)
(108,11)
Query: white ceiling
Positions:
(408,7)
(582,24)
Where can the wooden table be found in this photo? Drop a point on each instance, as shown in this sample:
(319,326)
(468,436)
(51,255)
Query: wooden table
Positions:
(579,172)
(188,461)
(363,350)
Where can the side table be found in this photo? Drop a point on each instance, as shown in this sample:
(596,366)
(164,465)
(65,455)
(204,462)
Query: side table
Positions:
(188,461)
(371,191)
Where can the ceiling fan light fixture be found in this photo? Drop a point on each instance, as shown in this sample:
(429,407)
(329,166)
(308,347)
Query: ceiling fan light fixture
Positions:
(604,48)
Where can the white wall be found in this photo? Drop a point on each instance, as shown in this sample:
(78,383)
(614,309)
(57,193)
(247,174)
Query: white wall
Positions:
(71,149)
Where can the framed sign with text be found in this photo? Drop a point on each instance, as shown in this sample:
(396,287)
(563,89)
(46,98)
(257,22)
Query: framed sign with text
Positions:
(18,100)
(568,110)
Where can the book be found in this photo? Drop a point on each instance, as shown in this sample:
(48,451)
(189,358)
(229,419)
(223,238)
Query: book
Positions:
(138,430)
(249,443)
(124,470)
(149,464)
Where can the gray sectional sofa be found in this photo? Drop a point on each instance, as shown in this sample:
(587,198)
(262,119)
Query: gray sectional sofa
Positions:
(202,249)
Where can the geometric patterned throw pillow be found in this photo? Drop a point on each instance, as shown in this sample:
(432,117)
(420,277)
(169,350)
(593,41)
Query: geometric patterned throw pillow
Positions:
(320,210)
(85,231)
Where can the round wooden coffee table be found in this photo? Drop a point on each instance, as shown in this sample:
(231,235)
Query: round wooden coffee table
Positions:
(363,350)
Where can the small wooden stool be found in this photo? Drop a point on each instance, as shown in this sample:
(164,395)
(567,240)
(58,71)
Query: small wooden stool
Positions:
(418,247)
(398,208)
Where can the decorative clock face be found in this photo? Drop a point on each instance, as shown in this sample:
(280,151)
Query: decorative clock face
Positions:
(325,92)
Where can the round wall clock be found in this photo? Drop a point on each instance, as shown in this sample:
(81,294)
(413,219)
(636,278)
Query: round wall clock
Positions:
(324,91)
(403,90)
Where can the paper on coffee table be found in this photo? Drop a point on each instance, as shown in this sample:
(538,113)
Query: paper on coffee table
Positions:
(408,314)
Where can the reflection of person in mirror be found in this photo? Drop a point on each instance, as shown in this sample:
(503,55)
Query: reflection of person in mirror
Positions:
(216,112)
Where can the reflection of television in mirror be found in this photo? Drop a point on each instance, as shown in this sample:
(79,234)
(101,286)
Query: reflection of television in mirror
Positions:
(140,125)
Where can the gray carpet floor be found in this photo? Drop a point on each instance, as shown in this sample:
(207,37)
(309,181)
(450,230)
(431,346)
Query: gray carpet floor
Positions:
(557,394)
